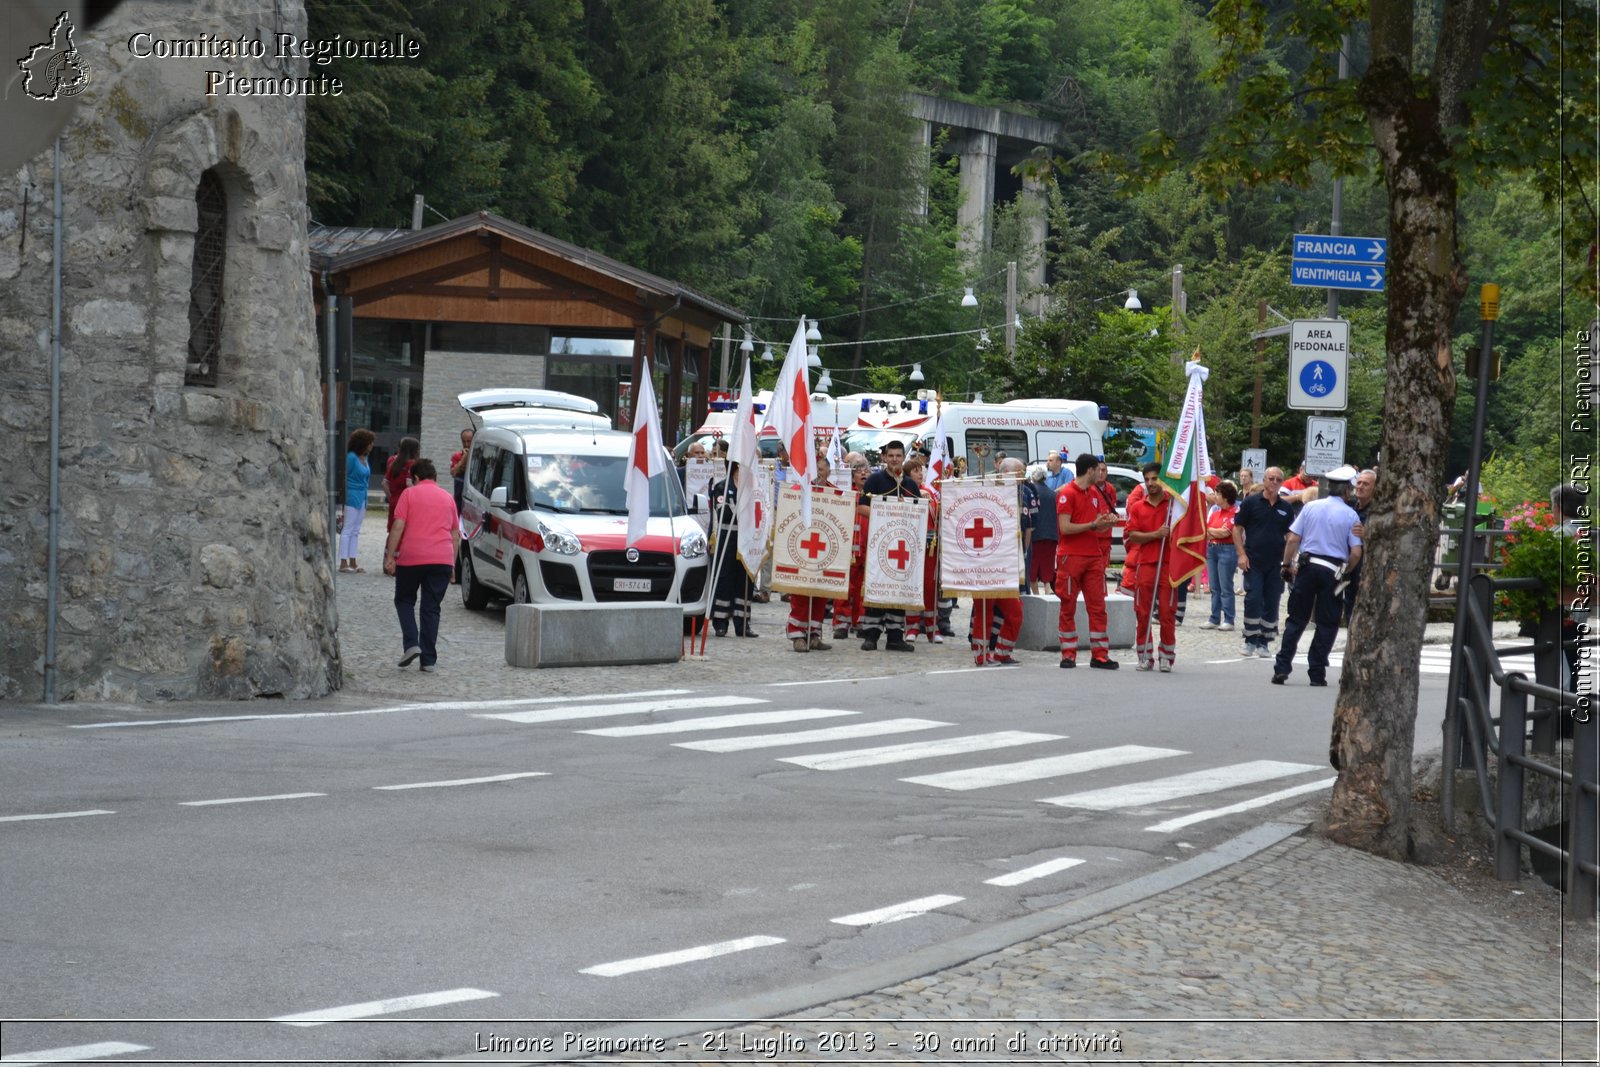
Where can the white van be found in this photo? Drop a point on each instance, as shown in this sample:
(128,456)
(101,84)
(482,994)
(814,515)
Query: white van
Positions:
(546,513)
(1027,430)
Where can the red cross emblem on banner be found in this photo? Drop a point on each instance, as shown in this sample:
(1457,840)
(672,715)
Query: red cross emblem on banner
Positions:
(900,555)
(814,545)
(978,533)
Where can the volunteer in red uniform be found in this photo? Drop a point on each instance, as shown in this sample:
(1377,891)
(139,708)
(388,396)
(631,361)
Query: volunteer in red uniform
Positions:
(1008,608)
(1080,567)
(848,611)
(1148,569)
(1103,486)
(805,612)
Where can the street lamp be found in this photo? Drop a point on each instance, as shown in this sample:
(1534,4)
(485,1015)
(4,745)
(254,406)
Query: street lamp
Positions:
(766,354)
(969,301)
(825,382)
(813,356)
(1132,303)
(748,345)
(812,333)
(916,372)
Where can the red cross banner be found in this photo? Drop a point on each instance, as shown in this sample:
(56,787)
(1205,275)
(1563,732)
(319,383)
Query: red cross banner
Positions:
(813,559)
(980,538)
(897,541)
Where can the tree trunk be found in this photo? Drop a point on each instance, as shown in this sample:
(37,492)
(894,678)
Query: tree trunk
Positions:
(1374,724)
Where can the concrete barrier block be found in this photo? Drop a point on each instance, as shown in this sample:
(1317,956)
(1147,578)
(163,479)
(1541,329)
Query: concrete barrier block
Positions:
(1041,616)
(593,635)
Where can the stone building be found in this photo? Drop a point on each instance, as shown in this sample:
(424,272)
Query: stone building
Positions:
(193,547)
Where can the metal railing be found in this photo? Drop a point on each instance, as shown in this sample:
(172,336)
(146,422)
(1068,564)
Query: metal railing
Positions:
(1472,732)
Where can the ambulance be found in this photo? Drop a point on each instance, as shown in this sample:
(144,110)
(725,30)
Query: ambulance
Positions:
(1028,430)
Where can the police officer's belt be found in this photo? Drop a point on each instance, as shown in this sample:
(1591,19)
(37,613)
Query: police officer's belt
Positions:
(1325,561)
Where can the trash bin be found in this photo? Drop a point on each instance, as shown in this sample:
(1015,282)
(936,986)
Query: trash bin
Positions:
(1447,558)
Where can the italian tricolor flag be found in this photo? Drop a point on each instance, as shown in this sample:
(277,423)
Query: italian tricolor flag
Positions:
(1184,475)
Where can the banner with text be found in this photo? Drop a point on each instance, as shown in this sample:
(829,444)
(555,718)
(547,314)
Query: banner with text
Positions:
(813,560)
(980,538)
(897,539)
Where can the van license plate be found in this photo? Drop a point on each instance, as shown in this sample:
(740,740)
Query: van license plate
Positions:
(631,585)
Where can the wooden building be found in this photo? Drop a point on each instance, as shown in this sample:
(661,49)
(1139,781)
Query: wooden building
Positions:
(480,302)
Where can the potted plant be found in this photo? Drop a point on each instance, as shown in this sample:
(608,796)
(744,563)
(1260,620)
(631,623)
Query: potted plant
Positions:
(1535,547)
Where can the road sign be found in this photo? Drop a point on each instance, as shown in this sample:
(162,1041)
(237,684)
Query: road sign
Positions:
(1358,263)
(1319,364)
(1324,444)
(1337,276)
(1256,460)
(1373,250)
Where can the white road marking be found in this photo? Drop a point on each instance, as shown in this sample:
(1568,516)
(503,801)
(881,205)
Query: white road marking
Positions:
(964,670)
(1144,794)
(810,737)
(247,800)
(1244,805)
(74,1054)
(443,705)
(719,722)
(1048,767)
(387,1006)
(467,781)
(833,681)
(948,746)
(56,815)
(895,912)
(1028,874)
(687,955)
(634,707)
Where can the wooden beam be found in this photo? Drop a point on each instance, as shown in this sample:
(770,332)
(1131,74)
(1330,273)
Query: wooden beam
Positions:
(412,282)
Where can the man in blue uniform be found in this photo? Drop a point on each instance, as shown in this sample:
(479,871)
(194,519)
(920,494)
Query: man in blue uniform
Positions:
(1322,543)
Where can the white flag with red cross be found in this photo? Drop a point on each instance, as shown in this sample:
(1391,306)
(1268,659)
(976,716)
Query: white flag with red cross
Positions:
(980,538)
(754,516)
(789,414)
(938,458)
(646,457)
(897,544)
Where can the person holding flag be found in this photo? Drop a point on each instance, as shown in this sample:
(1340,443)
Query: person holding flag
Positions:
(789,414)
(739,524)
(1184,475)
(1147,535)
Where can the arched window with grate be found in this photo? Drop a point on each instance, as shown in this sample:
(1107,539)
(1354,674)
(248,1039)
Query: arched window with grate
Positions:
(206,283)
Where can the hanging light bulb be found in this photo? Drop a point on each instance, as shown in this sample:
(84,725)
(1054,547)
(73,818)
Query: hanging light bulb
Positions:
(812,333)
(825,382)
(969,301)
(1133,300)
(813,357)
(748,345)
(766,354)
(916,372)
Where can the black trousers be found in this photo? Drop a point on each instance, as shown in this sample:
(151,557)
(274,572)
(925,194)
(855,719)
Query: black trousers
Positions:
(1312,598)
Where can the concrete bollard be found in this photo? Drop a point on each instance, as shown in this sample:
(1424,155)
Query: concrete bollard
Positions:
(593,635)
(1041,619)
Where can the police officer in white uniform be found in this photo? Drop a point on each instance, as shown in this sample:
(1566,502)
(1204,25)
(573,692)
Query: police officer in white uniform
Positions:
(1322,544)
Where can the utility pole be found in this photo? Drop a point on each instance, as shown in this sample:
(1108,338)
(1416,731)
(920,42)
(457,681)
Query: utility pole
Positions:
(1336,220)
(1011,309)
(1179,307)
(1261,360)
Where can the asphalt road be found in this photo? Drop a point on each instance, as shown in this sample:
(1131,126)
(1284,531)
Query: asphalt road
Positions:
(268,868)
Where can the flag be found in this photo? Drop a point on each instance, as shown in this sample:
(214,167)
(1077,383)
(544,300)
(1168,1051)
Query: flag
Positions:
(1187,467)
(836,454)
(646,457)
(938,461)
(752,514)
(790,415)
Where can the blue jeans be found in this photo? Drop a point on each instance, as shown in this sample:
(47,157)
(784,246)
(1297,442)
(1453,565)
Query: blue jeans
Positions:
(433,581)
(1263,589)
(1222,559)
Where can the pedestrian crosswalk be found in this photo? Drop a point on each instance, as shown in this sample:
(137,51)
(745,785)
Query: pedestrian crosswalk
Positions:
(1117,777)
(1433,659)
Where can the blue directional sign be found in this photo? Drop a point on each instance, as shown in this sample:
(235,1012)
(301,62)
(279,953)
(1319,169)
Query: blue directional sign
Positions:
(1373,250)
(1340,262)
(1337,275)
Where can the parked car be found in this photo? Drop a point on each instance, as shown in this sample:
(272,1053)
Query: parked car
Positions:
(546,518)
(1125,480)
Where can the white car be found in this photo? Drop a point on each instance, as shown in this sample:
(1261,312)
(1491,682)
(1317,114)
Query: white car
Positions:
(545,516)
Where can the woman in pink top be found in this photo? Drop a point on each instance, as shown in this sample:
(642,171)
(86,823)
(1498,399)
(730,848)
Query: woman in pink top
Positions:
(1222,558)
(421,554)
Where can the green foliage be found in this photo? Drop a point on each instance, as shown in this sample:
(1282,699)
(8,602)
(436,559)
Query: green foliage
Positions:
(1535,547)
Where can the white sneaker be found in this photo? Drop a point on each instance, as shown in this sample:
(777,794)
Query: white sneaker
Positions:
(1226,626)
(1209,625)
(936,638)
(1166,668)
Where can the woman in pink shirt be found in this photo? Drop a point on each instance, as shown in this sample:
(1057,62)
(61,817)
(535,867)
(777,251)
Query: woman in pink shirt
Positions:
(421,554)
(1222,558)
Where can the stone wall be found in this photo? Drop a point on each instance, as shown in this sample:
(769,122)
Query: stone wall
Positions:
(194,548)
